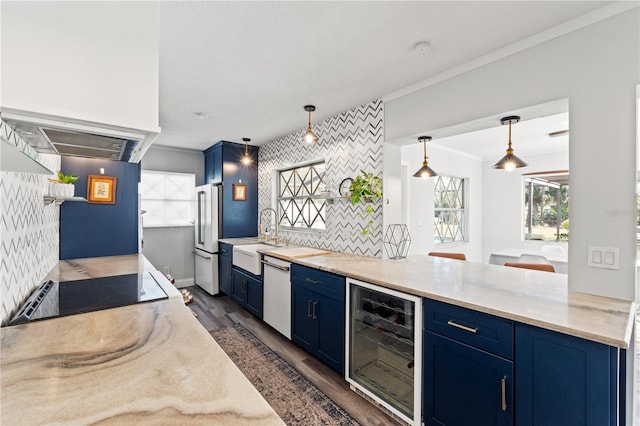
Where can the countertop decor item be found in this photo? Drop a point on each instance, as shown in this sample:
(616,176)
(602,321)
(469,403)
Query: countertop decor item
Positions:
(309,137)
(397,241)
(510,161)
(425,171)
(101,189)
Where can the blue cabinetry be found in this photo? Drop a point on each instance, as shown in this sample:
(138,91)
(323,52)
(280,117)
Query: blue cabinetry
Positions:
(468,367)
(565,380)
(318,314)
(247,290)
(223,165)
(226,265)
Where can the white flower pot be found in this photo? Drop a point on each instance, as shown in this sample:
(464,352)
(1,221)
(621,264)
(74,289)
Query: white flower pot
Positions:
(61,190)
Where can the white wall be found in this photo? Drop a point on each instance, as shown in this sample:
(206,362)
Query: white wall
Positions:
(95,61)
(597,68)
(421,192)
(502,202)
(172,246)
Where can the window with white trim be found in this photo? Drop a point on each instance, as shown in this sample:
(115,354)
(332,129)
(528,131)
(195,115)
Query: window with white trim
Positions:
(168,198)
(449,210)
(300,203)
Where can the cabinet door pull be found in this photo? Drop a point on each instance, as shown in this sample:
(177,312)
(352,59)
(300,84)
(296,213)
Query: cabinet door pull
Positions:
(309,308)
(313,281)
(315,304)
(452,323)
(504,393)
(244,286)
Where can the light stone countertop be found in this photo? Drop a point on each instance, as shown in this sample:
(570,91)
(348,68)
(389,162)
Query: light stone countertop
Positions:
(532,297)
(139,364)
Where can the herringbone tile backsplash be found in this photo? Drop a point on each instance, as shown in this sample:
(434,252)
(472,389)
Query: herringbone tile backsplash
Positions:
(348,142)
(29,237)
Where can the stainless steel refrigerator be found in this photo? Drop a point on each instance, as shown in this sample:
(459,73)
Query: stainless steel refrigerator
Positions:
(207,231)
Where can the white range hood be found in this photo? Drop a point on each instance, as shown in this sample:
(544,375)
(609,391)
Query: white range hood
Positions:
(64,136)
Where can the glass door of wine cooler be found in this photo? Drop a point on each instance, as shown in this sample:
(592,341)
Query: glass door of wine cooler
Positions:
(384,348)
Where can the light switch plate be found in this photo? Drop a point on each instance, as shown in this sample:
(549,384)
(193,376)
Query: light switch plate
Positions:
(604,257)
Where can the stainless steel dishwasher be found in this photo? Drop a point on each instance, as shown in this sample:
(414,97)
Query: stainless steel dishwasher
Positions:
(277,295)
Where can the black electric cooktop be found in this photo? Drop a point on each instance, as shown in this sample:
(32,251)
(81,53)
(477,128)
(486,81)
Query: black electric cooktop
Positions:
(57,299)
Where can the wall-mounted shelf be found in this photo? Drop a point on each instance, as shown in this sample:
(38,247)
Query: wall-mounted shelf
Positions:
(14,160)
(48,199)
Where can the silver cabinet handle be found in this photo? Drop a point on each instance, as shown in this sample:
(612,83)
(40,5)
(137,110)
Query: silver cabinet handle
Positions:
(313,281)
(309,308)
(504,393)
(200,225)
(315,305)
(273,265)
(452,323)
(198,254)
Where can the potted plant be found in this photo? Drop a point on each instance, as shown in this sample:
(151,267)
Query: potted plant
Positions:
(63,186)
(366,187)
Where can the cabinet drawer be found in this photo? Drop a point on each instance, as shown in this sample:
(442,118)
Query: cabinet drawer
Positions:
(482,331)
(326,283)
(226,250)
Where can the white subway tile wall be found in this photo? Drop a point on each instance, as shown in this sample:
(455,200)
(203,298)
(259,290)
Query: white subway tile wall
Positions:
(348,142)
(29,230)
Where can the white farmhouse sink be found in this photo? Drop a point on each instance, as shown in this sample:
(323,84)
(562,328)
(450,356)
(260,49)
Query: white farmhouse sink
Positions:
(246,256)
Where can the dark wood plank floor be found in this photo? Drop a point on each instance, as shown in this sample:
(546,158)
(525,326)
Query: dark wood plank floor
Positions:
(219,311)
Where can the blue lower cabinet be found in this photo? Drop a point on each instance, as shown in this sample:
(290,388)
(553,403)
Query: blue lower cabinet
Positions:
(302,324)
(318,314)
(226,275)
(247,290)
(565,380)
(464,385)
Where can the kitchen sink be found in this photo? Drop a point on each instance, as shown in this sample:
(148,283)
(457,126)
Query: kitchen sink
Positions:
(246,256)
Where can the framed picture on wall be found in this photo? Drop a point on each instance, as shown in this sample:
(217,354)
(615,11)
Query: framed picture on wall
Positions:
(239,192)
(101,189)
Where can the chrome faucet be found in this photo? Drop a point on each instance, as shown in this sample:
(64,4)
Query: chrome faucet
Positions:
(276,237)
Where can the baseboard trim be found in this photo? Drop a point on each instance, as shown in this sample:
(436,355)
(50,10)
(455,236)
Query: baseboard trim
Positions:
(184,282)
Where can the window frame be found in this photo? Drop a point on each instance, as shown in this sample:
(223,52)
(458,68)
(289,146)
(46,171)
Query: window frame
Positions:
(189,198)
(465,220)
(316,194)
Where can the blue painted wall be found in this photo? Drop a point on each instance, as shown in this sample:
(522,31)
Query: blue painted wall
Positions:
(90,230)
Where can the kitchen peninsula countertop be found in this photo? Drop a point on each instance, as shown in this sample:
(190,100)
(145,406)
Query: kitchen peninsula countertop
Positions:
(532,297)
(145,363)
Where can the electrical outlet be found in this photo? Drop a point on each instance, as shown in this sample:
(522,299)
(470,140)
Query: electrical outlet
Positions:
(167,270)
(604,257)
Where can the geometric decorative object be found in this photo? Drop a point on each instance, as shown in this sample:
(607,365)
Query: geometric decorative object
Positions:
(397,241)
(510,161)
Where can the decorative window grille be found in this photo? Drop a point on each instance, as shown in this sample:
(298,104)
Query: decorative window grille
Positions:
(449,220)
(168,198)
(300,203)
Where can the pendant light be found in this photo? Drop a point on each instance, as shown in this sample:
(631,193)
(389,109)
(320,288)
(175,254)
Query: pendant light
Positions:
(309,137)
(246,159)
(510,161)
(425,171)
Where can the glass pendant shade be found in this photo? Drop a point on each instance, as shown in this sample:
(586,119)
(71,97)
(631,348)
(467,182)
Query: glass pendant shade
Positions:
(309,137)
(510,161)
(425,171)
(246,158)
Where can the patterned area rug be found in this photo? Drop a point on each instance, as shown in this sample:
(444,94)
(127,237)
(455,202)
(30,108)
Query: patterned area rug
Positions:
(296,400)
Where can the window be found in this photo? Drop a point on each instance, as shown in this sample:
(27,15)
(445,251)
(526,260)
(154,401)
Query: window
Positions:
(449,202)
(300,205)
(546,206)
(168,198)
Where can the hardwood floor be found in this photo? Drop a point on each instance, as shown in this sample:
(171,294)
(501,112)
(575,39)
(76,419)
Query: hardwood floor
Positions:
(219,311)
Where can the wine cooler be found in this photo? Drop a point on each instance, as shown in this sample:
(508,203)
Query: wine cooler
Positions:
(384,348)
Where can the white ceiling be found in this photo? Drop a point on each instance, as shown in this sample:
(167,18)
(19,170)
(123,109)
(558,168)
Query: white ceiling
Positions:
(248,68)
